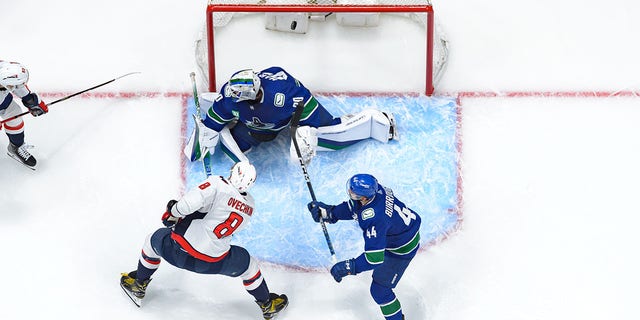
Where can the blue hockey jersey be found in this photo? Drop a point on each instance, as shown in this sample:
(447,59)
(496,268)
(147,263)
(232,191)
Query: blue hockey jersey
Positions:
(388,226)
(281,92)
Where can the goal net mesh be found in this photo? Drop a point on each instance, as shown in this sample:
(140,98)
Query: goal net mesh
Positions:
(220,49)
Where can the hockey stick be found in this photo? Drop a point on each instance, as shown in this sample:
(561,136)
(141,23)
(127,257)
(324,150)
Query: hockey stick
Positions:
(295,120)
(207,156)
(70,96)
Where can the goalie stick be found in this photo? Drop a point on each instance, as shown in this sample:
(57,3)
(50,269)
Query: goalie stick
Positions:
(295,120)
(70,96)
(207,156)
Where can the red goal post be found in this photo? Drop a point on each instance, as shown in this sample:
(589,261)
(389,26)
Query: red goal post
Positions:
(223,8)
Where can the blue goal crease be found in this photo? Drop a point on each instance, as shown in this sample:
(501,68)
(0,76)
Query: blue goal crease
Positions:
(421,167)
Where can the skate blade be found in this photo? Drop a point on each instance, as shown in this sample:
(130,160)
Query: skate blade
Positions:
(279,312)
(14,157)
(137,301)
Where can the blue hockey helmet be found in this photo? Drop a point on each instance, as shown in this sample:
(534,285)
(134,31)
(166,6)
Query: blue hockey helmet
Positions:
(362,185)
(244,85)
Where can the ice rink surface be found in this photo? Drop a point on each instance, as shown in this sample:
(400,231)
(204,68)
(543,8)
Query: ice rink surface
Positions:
(427,148)
(547,94)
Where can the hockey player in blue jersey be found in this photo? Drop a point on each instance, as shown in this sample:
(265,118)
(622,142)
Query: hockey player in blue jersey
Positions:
(391,237)
(254,107)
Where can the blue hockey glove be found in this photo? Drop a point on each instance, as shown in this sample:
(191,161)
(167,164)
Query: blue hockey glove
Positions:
(36,107)
(319,209)
(167,218)
(343,268)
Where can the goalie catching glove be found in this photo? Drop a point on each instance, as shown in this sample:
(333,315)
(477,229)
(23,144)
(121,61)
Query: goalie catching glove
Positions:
(202,141)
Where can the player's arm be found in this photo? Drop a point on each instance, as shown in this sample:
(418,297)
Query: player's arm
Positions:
(18,86)
(220,113)
(194,200)
(328,213)
(374,233)
(205,136)
(197,198)
(375,243)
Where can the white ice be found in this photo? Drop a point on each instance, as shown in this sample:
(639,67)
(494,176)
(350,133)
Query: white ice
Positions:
(550,213)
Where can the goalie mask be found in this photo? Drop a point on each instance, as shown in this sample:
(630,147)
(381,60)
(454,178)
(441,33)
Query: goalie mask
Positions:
(13,74)
(243,175)
(244,85)
(362,186)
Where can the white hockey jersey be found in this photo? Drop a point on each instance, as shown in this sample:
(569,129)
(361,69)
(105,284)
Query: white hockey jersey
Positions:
(6,90)
(210,214)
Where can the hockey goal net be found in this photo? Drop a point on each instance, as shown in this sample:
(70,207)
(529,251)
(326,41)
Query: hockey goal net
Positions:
(411,53)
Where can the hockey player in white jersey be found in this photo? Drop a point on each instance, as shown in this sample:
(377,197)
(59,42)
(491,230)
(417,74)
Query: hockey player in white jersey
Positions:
(13,81)
(197,238)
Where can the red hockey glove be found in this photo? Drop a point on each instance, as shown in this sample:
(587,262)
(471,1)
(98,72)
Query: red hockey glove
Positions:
(167,218)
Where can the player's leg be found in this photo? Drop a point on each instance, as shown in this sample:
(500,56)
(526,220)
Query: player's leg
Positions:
(353,128)
(15,132)
(240,139)
(254,283)
(385,278)
(238,263)
(135,282)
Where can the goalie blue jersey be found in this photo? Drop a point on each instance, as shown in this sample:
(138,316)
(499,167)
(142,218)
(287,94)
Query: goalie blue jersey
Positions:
(281,92)
(388,226)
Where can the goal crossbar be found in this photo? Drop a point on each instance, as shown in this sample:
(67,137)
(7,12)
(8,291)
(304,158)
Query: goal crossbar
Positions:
(253,8)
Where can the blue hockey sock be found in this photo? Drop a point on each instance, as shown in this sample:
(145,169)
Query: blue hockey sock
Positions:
(16,139)
(261,293)
(143,273)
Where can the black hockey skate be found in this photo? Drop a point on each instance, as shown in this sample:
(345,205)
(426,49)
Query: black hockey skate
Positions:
(134,289)
(276,303)
(393,132)
(21,155)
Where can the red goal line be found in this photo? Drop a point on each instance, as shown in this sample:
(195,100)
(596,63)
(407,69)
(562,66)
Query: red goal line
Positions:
(544,94)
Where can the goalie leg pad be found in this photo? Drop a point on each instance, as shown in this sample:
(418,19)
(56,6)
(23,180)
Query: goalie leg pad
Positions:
(202,141)
(366,124)
(287,22)
(231,147)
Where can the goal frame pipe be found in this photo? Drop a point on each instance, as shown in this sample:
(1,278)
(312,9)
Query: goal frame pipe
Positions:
(428,9)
